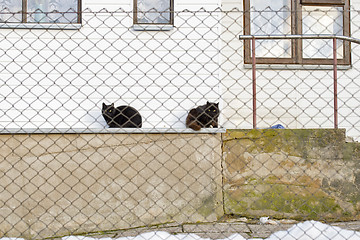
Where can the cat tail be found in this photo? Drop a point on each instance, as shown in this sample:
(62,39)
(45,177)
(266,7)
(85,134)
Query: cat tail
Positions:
(191,121)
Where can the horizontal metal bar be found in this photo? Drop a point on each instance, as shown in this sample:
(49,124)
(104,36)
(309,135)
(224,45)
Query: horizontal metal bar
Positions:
(304,36)
(297,67)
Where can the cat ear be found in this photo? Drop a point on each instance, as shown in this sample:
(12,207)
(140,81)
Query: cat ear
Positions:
(207,102)
(112,105)
(104,105)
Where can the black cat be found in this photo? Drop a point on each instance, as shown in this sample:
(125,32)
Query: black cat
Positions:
(203,116)
(121,117)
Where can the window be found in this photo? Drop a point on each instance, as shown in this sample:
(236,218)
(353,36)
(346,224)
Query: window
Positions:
(152,13)
(297,17)
(39,11)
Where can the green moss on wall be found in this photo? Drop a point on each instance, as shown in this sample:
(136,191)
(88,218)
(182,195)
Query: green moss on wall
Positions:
(317,173)
(235,206)
(282,200)
(300,142)
(208,206)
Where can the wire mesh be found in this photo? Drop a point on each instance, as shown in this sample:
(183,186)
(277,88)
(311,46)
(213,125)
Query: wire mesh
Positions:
(96,137)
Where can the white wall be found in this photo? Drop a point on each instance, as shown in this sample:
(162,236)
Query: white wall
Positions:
(59,79)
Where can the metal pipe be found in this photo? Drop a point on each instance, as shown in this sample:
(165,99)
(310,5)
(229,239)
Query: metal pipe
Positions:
(305,36)
(253,80)
(335,85)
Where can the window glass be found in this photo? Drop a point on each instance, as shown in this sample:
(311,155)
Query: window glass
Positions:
(154,11)
(63,11)
(297,17)
(271,17)
(10,10)
(322,20)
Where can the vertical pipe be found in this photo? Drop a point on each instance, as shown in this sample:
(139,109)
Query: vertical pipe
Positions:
(253,79)
(335,86)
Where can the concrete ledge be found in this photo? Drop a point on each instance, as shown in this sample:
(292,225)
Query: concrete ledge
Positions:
(106,130)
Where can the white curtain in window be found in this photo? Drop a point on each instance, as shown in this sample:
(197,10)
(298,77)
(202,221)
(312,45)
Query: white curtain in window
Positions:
(322,20)
(10,10)
(153,11)
(270,17)
(62,11)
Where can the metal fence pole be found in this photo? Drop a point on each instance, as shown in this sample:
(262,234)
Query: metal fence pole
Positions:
(253,80)
(335,86)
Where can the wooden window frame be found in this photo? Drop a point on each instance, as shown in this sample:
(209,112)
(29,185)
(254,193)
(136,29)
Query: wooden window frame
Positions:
(296,29)
(24,13)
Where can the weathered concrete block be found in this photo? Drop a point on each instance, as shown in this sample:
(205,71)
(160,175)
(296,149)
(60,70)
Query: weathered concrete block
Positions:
(59,184)
(301,174)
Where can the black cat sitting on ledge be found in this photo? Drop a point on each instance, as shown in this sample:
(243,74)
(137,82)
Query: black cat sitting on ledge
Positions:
(204,116)
(121,117)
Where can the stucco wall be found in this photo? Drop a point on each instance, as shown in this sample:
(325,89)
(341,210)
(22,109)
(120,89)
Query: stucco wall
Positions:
(60,78)
(57,184)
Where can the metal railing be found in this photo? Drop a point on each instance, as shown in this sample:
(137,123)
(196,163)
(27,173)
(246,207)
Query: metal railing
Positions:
(253,38)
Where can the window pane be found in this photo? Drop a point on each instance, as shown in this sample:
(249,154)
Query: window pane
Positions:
(62,11)
(271,17)
(10,10)
(322,20)
(153,11)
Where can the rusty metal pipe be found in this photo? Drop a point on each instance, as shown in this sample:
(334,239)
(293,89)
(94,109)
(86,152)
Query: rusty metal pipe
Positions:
(335,85)
(253,79)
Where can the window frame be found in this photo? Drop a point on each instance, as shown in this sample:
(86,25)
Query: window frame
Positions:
(296,29)
(24,16)
(153,26)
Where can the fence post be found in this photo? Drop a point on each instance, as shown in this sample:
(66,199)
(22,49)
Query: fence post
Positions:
(335,86)
(253,79)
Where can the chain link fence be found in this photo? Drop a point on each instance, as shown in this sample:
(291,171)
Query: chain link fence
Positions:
(68,166)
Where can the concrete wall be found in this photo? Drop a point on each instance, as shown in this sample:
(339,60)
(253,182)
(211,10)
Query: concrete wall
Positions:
(58,184)
(299,174)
